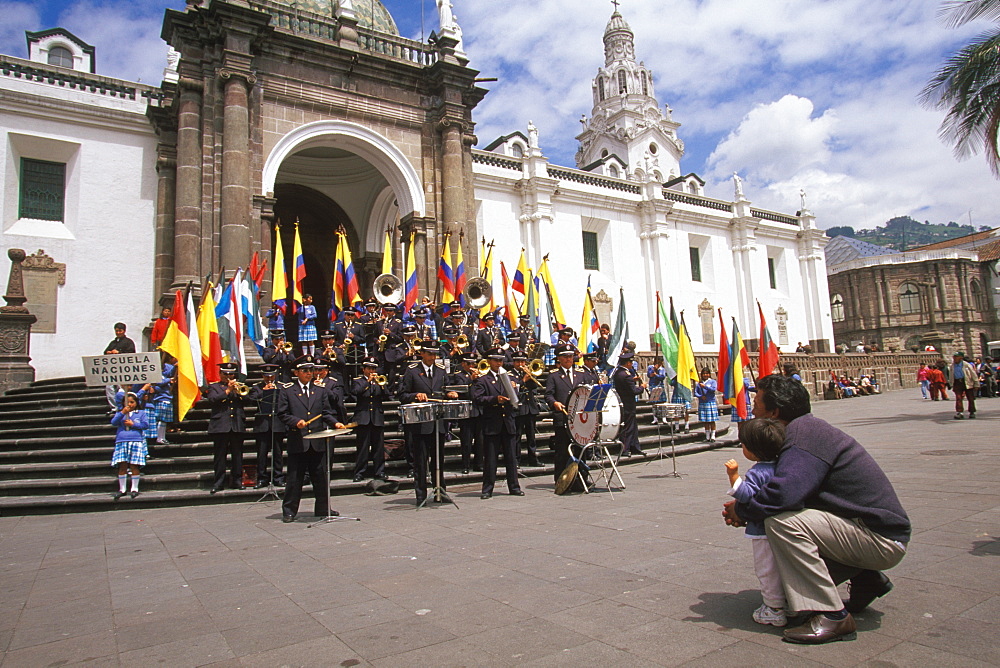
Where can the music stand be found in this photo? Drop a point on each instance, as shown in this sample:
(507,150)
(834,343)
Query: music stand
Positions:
(329,516)
(271,489)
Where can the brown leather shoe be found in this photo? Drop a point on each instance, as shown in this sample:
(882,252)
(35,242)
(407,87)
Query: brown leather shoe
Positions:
(820,629)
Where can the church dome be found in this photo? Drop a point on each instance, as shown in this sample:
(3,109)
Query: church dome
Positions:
(371,13)
(617,23)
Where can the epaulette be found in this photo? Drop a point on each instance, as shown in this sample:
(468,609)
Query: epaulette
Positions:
(280,384)
(439,364)
(413,365)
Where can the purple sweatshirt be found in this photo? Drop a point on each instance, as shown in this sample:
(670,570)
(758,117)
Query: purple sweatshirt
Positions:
(823,468)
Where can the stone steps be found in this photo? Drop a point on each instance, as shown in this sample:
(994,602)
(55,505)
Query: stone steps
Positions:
(63,464)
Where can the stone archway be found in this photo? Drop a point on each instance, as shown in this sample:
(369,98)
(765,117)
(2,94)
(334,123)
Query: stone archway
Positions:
(361,141)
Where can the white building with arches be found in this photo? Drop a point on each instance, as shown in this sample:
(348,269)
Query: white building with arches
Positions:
(273,112)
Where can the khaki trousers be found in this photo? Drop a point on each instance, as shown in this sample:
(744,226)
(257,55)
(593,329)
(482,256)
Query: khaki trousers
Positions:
(802,539)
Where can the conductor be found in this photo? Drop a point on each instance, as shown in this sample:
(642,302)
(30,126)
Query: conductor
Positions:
(302,405)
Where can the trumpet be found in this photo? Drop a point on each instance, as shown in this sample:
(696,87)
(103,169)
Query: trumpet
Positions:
(462,341)
(241,388)
(483,366)
(381,381)
(288,347)
(382,341)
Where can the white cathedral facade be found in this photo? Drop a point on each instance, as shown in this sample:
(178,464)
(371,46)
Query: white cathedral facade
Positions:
(97,187)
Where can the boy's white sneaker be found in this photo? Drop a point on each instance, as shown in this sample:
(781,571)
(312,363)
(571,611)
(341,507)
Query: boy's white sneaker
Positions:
(765,614)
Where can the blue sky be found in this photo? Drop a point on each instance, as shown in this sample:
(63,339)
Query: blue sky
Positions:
(792,94)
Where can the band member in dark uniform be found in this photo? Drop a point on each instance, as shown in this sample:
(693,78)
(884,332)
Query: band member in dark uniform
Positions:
(369,394)
(276,354)
(469,431)
(269,431)
(332,356)
(499,428)
(594,375)
(299,402)
(421,381)
(560,384)
(490,336)
(349,328)
(629,386)
(392,324)
(528,410)
(424,329)
(226,425)
(524,334)
(451,352)
(323,378)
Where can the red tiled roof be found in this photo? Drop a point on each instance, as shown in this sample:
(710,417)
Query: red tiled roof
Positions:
(989,251)
(958,241)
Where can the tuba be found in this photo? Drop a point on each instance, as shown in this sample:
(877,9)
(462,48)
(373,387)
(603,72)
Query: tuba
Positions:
(388,289)
(478,292)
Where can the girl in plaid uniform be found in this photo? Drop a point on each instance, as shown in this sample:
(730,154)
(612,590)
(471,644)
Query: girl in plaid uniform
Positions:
(708,409)
(130,447)
(307,326)
(160,405)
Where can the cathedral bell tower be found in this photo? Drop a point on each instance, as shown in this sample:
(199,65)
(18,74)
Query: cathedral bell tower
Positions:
(626,122)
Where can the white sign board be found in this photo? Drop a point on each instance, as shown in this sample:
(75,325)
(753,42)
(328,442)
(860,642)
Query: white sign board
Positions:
(125,369)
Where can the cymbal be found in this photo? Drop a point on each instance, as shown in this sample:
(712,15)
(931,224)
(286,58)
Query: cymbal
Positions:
(567,477)
(326,433)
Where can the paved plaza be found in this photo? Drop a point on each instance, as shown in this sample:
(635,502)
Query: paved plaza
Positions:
(650,577)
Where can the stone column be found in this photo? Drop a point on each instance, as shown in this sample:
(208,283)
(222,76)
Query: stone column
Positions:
(15,330)
(453,192)
(235,197)
(166,198)
(187,222)
(266,207)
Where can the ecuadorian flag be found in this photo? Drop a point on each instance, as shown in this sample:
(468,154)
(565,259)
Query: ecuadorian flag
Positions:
(411,277)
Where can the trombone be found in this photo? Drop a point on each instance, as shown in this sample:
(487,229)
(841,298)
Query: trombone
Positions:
(536,367)
(483,366)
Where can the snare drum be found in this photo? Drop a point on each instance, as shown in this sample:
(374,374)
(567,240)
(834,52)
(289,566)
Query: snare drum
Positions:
(458,409)
(671,411)
(416,413)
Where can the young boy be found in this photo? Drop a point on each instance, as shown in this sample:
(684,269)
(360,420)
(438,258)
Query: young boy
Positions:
(762,439)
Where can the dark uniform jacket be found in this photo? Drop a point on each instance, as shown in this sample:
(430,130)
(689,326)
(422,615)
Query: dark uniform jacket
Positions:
(267,405)
(338,396)
(227,410)
(272,355)
(355,332)
(415,381)
(487,337)
(369,396)
(497,417)
(558,388)
(527,394)
(627,387)
(295,405)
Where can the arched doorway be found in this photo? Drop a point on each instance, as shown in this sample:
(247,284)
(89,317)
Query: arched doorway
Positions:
(331,175)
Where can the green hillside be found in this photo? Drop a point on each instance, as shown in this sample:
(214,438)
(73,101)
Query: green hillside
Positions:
(903,233)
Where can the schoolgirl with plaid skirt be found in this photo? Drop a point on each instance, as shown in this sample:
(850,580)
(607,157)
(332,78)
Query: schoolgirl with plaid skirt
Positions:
(307,326)
(130,445)
(708,409)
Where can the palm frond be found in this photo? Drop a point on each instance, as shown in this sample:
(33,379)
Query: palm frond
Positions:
(968,86)
(957,13)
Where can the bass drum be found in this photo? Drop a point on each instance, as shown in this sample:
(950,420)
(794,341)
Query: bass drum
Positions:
(582,426)
(610,418)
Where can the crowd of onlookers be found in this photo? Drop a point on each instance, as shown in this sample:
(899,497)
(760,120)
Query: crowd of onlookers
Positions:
(935,380)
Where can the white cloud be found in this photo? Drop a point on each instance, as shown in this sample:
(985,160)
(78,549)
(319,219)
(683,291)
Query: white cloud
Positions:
(126,35)
(776,139)
(793,94)
(17,17)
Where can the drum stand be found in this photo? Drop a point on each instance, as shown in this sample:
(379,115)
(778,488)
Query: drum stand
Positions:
(329,516)
(601,449)
(438,492)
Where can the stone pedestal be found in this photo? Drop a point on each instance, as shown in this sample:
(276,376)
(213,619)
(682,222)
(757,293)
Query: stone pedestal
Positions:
(15,330)
(943,343)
